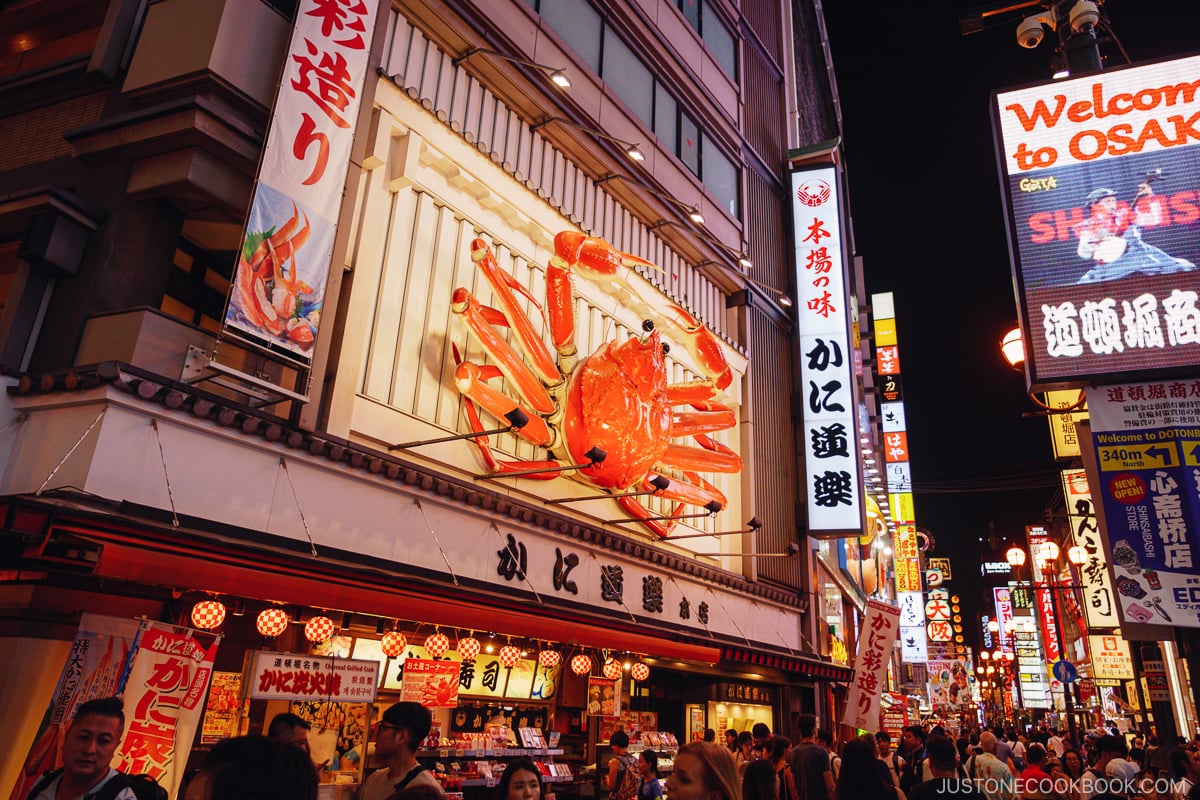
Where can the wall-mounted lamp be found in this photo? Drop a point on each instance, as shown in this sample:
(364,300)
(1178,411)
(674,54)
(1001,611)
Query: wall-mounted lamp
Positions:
(631,149)
(783,298)
(558,75)
(659,483)
(751,526)
(517,419)
(693,211)
(594,456)
(793,550)
(743,260)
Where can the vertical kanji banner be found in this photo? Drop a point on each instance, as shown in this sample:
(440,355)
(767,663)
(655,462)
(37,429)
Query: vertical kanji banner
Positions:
(279,282)
(164,699)
(834,493)
(96,666)
(875,644)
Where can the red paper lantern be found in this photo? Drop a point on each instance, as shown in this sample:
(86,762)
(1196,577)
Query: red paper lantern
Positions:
(208,614)
(611,669)
(393,643)
(549,658)
(271,622)
(437,644)
(509,655)
(639,671)
(319,629)
(581,665)
(468,648)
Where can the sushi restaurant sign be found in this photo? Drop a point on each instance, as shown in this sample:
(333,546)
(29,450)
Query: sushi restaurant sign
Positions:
(744,693)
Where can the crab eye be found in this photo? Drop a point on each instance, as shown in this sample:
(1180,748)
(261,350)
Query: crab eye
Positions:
(647,325)
(666,348)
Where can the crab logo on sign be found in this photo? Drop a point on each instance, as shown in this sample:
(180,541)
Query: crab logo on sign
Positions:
(933,577)
(814,193)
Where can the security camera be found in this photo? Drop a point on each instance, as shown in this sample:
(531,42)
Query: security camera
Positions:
(1084,15)
(1030,32)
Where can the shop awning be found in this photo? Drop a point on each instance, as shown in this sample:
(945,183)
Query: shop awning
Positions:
(806,665)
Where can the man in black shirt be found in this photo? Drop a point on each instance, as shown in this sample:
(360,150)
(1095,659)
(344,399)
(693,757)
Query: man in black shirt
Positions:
(943,760)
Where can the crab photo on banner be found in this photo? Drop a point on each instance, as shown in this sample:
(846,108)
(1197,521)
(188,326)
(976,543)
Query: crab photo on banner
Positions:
(613,412)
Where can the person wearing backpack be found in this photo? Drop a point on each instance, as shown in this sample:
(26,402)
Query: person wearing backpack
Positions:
(623,779)
(87,750)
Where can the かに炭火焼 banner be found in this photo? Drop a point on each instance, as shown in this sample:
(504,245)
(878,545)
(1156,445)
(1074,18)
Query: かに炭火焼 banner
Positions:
(1100,179)
(278,286)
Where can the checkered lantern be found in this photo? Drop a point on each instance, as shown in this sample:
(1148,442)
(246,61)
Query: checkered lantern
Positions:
(468,648)
(549,658)
(639,671)
(581,664)
(393,643)
(437,644)
(271,622)
(509,655)
(208,614)
(319,629)
(611,669)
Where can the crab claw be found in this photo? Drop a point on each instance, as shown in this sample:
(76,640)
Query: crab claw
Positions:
(593,258)
(705,348)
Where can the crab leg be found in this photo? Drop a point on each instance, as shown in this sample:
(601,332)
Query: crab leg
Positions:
(495,464)
(690,423)
(538,355)
(594,259)
(470,377)
(509,363)
(705,348)
(700,493)
(716,458)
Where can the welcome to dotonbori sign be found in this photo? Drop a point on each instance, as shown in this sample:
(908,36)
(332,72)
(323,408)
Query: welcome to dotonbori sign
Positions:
(1100,176)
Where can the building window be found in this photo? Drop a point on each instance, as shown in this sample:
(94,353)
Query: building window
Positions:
(629,78)
(688,149)
(578,24)
(198,285)
(39,33)
(721,177)
(720,42)
(666,118)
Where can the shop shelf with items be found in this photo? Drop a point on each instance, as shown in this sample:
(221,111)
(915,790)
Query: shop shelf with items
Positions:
(474,761)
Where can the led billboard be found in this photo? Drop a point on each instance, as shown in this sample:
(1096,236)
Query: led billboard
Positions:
(1100,180)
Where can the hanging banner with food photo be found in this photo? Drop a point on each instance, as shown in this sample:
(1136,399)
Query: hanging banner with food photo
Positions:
(278,286)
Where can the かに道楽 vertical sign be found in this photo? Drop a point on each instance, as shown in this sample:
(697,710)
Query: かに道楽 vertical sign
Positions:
(826,357)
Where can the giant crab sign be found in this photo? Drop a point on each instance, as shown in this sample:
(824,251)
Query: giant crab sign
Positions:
(613,410)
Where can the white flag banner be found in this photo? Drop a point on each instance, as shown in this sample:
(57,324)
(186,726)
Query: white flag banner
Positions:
(875,645)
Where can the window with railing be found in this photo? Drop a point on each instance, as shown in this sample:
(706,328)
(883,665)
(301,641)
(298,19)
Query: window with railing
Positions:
(602,49)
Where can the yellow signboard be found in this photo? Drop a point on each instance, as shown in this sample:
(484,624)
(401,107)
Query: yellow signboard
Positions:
(1147,455)
(1062,425)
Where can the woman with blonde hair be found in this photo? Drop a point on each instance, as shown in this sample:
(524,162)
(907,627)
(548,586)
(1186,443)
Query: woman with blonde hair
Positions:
(704,771)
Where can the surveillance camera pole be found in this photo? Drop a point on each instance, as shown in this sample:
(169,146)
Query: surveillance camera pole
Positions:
(1080,47)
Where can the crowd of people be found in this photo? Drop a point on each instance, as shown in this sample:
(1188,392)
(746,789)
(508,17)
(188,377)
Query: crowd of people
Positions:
(988,764)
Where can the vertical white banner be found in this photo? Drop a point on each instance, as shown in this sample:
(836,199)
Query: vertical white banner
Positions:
(875,644)
(278,287)
(1099,600)
(826,357)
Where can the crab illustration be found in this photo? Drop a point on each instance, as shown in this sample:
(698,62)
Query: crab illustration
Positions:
(270,296)
(612,411)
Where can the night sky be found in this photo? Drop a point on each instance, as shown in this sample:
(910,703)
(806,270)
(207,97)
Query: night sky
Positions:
(928,222)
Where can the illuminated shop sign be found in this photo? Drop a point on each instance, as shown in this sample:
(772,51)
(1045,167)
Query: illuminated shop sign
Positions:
(834,490)
(1100,177)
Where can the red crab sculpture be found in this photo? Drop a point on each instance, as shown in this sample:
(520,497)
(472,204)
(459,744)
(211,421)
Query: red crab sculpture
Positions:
(612,410)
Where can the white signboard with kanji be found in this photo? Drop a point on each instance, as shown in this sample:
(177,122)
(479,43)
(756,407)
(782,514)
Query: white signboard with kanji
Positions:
(835,505)
(879,631)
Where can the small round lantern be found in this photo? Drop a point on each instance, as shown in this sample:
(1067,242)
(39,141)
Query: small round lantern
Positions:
(319,629)
(549,658)
(581,665)
(208,614)
(639,671)
(393,643)
(611,669)
(437,644)
(271,622)
(468,648)
(509,655)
